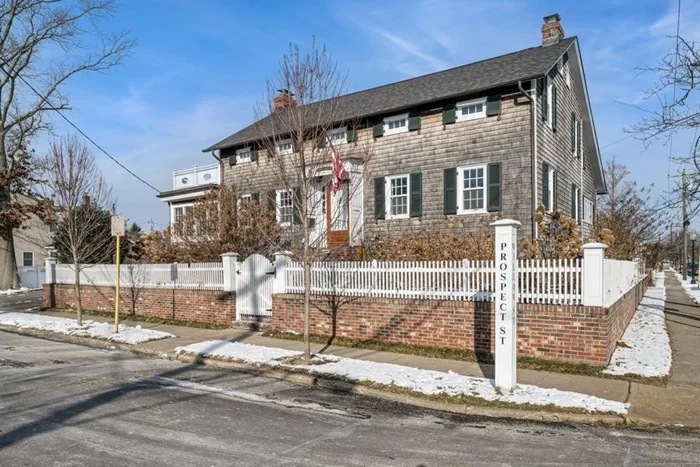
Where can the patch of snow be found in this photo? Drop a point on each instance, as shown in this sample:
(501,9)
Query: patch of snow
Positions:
(649,350)
(691,290)
(423,381)
(16,291)
(126,335)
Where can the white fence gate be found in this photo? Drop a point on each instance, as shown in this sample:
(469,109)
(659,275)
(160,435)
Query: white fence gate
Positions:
(32,277)
(254,288)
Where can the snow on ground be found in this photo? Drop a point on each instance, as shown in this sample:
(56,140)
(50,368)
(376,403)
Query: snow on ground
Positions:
(126,335)
(691,290)
(16,291)
(424,381)
(649,351)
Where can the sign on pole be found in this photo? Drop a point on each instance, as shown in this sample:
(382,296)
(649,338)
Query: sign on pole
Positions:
(506,236)
(118,226)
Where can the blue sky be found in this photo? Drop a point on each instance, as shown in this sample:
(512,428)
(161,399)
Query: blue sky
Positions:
(201,67)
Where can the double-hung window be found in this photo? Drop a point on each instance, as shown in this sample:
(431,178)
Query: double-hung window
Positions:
(397,190)
(243,155)
(396,124)
(472,109)
(588,208)
(471,189)
(548,102)
(337,136)
(285,207)
(27,258)
(576,203)
(551,189)
(285,147)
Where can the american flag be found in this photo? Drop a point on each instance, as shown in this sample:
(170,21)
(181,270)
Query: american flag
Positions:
(338,169)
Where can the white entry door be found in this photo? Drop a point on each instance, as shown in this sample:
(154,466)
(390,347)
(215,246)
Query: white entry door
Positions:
(254,288)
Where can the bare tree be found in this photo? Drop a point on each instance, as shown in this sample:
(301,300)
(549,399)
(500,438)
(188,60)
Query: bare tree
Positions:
(627,214)
(83,200)
(301,125)
(30,88)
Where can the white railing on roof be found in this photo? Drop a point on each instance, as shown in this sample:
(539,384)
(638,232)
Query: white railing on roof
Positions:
(205,276)
(541,281)
(196,176)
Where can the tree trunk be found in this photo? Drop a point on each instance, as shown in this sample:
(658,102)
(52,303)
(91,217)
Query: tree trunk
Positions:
(8,263)
(307,304)
(79,304)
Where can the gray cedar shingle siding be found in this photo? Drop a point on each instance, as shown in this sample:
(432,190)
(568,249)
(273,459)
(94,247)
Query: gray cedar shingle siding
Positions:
(444,85)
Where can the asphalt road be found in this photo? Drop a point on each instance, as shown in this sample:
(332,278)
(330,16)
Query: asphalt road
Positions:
(68,405)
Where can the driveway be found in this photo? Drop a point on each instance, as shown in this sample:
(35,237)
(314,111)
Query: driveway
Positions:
(22,301)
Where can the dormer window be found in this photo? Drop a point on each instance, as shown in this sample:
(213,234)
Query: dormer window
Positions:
(396,124)
(470,110)
(284,147)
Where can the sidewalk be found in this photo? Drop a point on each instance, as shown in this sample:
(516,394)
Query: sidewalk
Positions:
(676,404)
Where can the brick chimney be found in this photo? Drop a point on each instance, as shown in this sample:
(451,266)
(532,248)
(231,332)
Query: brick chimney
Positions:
(552,32)
(284,99)
(86,199)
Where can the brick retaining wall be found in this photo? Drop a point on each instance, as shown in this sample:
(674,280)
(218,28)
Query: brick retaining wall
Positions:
(202,306)
(553,332)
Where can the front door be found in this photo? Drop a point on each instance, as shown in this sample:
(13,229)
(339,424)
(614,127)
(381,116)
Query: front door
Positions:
(338,215)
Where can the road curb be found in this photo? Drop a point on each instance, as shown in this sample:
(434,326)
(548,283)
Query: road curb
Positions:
(304,378)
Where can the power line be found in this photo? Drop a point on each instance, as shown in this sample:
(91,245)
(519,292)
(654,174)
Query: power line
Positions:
(675,72)
(79,130)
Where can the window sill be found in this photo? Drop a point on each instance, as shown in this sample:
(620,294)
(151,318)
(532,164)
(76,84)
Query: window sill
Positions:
(394,132)
(470,117)
(474,211)
(402,216)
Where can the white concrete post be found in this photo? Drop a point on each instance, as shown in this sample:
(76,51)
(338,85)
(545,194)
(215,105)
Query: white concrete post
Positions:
(50,276)
(230,261)
(282,260)
(592,274)
(506,237)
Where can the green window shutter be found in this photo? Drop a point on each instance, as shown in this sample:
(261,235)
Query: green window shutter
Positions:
(232,159)
(545,185)
(493,106)
(450,191)
(573,202)
(351,136)
(493,187)
(297,201)
(545,99)
(555,190)
(272,201)
(255,197)
(253,156)
(321,141)
(379,195)
(573,133)
(414,122)
(378,130)
(554,108)
(449,114)
(416,201)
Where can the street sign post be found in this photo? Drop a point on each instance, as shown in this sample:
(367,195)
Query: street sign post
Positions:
(118,230)
(506,236)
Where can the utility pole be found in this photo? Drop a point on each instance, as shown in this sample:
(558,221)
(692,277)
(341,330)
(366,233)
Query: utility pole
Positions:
(684,194)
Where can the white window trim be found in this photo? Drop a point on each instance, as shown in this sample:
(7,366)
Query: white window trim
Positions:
(577,136)
(577,205)
(184,211)
(482,114)
(460,190)
(567,73)
(339,131)
(550,190)
(285,152)
(387,196)
(31,253)
(393,118)
(278,207)
(243,155)
(588,219)
(550,86)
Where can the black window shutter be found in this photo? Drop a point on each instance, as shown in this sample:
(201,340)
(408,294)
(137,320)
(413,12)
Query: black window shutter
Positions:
(545,99)
(232,159)
(351,136)
(449,114)
(321,141)
(379,202)
(378,130)
(573,202)
(545,185)
(450,191)
(414,122)
(272,201)
(253,156)
(580,138)
(554,108)
(416,202)
(297,205)
(255,197)
(555,190)
(493,187)
(573,133)
(493,106)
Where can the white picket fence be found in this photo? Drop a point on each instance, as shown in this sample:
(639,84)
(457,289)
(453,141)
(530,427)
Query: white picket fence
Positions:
(542,281)
(204,276)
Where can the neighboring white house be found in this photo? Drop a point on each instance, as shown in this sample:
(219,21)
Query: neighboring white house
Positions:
(189,185)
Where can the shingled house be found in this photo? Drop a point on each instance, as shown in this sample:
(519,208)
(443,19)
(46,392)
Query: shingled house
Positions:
(451,149)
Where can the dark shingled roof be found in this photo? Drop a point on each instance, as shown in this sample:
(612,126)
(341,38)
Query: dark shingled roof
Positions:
(455,82)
